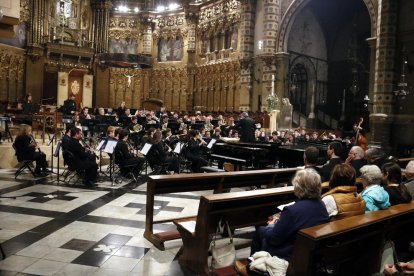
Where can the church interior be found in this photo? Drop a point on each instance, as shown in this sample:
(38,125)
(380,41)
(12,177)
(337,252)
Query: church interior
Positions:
(181,115)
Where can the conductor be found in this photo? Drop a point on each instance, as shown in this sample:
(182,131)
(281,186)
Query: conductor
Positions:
(69,105)
(246,127)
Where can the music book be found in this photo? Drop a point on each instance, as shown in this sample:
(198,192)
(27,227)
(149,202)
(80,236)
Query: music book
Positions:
(99,147)
(145,149)
(110,146)
(177,148)
(210,145)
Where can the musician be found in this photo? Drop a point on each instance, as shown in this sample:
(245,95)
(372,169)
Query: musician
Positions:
(149,136)
(83,159)
(69,105)
(27,149)
(121,110)
(334,154)
(247,127)
(124,154)
(161,155)
(66,137)
(314,137)
(275,137)
(28,104)
(217,133)
(194,150)
(134,130)
(85,114)
(358,136)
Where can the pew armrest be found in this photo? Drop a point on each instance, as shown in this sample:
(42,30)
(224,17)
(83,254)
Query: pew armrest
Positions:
(186,225)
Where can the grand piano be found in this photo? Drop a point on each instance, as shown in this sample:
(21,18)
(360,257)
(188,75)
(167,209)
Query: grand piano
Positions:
(262,154)
(256,155)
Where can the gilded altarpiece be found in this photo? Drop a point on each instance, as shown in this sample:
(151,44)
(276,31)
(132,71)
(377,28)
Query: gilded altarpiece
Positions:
(12,67)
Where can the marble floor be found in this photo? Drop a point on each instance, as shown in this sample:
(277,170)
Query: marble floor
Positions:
(50,228)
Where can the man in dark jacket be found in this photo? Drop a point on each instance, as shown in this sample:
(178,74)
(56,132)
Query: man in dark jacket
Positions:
(82,158)
(247,127)
(334,153)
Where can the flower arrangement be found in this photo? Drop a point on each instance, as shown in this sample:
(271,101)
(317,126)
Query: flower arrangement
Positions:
(272,102)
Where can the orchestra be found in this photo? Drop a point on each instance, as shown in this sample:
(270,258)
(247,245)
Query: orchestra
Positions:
(164,129)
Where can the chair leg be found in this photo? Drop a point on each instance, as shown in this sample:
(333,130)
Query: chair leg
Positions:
(3,255)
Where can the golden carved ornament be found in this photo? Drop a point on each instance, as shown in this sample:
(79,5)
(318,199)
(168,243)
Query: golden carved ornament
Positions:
(25,11)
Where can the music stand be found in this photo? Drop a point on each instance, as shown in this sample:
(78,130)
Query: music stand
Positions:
(197,126)
(141,120)
(174,126)
(109,149)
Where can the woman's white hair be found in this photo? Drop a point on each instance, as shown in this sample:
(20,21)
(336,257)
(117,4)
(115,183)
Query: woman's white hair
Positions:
(371,173)
(307,184)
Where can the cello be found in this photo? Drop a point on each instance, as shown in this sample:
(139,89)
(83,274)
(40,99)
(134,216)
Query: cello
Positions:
(360,140)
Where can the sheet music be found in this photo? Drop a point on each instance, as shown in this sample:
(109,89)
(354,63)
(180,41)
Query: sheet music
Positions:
(281,207)
(56,153)
(210,145)
(146,149)
(110,146)
(100,145)
(177,148)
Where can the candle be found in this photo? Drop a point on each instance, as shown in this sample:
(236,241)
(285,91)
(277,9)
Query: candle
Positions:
(273,85)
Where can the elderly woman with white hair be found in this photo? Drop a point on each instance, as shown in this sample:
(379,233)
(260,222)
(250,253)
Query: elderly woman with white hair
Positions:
(375,197)
(279,235)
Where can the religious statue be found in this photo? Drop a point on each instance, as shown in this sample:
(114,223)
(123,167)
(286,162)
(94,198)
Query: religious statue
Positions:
(129,77)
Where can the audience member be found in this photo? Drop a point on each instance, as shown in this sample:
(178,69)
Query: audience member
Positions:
(409,176)
(396,190)
(342,200)
(278,237)
(356,159)
(334,154)
(375,197)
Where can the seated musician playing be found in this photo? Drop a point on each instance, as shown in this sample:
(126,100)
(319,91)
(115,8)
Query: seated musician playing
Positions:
(342,200)
(84,115)
(66,137)
(27,149)
(391,181)
(162,156)
(194,151)
(83,159)
(278,237)
(375,197)
(124,155)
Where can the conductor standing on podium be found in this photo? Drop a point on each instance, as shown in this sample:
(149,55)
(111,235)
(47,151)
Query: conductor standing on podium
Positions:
(246,127)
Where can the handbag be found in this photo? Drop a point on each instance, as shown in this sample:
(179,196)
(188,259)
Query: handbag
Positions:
(223,251)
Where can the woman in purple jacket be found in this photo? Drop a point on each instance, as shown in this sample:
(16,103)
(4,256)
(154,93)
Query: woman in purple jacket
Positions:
(279,235)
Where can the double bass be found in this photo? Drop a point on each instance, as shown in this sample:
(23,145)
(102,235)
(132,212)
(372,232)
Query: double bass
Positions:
(360,140)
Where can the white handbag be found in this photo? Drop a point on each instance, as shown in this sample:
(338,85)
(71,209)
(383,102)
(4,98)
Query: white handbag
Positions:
(223,251)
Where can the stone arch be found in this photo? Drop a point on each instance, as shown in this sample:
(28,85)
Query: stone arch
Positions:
(294,9)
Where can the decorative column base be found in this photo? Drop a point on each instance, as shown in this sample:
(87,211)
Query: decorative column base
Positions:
(380,130)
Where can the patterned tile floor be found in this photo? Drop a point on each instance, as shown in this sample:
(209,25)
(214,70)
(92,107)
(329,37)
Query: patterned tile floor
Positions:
(50,229)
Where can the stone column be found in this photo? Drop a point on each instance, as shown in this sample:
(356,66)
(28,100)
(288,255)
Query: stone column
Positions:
(246,52)
(382,115)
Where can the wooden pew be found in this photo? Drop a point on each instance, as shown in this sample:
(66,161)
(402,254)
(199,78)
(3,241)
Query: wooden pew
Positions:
(219,182)
(240,209)
(357,242)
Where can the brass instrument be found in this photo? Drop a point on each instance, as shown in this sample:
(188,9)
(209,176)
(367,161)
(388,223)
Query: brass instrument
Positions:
(136,128)
(88,148)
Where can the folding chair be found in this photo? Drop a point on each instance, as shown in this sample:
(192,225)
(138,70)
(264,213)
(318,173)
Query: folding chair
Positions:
(24,165)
